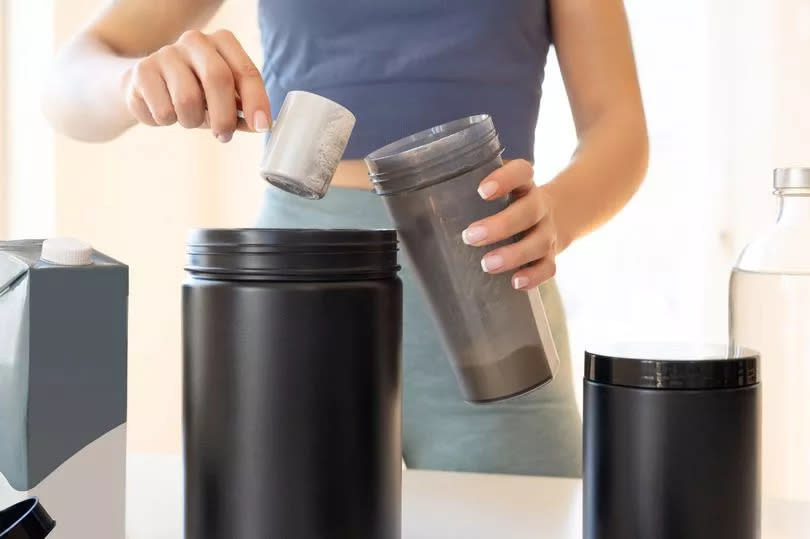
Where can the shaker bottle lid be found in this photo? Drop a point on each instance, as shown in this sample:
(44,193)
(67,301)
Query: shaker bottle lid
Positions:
(792,177)
(434,155)
(673,366)
(26,520)
(67,252)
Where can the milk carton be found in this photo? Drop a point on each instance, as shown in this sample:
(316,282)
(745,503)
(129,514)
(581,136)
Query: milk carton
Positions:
(63,384)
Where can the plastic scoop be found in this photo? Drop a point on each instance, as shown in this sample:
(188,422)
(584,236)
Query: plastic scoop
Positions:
(306,144)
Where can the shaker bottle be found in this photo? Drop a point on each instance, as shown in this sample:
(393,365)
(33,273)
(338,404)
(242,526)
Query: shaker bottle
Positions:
(497,338)
(292,384)
(671,442)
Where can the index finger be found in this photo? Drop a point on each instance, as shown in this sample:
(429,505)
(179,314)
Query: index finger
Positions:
(515,177)
(248,80)
(241,124)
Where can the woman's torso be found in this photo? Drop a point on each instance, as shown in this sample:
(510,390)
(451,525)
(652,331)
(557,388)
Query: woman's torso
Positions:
(401,67)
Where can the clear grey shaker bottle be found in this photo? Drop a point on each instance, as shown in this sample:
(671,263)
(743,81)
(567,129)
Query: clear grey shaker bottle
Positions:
(498,339)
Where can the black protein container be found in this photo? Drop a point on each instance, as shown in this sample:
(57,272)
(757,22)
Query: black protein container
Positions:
(672,437)
(292,384)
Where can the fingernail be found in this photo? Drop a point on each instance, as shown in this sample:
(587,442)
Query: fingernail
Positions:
(487,189)
(474,234)
(224,137)
(520,282)
(261,123)
(492,262)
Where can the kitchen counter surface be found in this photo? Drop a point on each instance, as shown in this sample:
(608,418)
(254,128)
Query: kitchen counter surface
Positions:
(435,505)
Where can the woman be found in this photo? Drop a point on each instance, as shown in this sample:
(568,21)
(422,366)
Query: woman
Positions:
(400,67)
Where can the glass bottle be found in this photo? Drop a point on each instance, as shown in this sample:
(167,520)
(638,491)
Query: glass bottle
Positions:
(770,312)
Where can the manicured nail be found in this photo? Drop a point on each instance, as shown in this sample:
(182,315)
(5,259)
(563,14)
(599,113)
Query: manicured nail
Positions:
(260,122)
(487,189)
(224,137)
(474,234)
(520,282)
(492,263)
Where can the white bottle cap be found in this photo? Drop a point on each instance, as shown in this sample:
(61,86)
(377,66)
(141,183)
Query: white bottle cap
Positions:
(67,252)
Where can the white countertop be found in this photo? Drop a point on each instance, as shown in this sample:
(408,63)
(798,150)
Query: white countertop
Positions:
(435,505)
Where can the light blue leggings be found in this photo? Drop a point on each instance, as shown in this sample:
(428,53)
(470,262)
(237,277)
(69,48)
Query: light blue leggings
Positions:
(535,434)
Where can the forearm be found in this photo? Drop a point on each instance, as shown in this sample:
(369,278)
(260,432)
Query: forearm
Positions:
(606,170)
(84,94)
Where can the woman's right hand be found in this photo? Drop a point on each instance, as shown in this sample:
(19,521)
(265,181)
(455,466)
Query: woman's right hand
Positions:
(201,80)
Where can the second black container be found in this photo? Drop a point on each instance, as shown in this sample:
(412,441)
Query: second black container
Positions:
(672,438)
(292,385)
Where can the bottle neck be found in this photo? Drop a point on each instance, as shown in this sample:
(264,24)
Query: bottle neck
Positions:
(794,205)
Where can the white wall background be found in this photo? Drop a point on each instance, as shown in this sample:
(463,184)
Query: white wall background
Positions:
(28,192)
(726,85)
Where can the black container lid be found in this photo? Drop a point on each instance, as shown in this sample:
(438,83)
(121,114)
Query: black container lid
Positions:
(673,366)
(277,254)
(26,520)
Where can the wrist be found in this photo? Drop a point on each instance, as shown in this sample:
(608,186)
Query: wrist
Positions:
(556,209)
(122,91)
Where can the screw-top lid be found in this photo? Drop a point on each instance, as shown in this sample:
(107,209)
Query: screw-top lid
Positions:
(270,254)
(26,520)
(67,252)
(673,366)
(791,178)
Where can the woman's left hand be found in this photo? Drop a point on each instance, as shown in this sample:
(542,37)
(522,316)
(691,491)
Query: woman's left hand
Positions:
(530,213)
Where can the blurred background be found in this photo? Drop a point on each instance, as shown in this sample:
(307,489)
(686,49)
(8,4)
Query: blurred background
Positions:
(726,86)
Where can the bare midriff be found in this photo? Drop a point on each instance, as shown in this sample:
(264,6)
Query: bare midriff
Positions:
(352,174)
